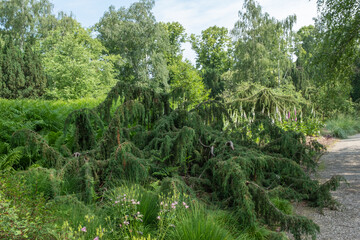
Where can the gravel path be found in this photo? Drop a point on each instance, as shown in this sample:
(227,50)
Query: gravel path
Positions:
(343,159)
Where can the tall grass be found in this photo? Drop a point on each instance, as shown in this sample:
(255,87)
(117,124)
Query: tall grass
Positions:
(197,224)
(343,126)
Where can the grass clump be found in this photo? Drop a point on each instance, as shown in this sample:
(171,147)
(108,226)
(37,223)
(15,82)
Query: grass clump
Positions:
(343,126)
(196,224)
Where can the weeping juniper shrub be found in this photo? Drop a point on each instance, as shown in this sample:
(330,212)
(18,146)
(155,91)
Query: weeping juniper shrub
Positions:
(238,168)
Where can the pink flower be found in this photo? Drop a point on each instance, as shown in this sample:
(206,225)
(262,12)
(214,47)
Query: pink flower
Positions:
(186,206)
(158,217)
(83,229)
(96,238)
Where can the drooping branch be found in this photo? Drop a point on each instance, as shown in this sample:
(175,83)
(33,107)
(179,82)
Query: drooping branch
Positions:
(212,148)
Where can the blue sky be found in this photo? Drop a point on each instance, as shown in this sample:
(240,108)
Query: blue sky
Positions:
(194,15)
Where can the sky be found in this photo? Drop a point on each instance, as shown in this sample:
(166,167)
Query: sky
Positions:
(194,15)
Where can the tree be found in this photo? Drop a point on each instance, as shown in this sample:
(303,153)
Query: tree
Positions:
(140,40)
(338,26)
(22,72)
(35,78)
(214,56)
(305,44)
(176,36)
(22,19)
(76,64)
(355,81)
(186,84)
(262,46)
(13,79)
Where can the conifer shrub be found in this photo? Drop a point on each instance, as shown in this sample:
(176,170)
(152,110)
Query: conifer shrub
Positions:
(145,141)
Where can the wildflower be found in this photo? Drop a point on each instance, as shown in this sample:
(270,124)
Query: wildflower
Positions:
(161,203)
(120,225)
(158,217)
(138,213)
(126,223)
(116,202)
(138,203)
(184,203)
(173,207)
(83,229)
(96,238)
(186,206)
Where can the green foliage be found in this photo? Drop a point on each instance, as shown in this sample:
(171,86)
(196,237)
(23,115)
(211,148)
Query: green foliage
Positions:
(76,65)
(8,157)
(305,43)
(135,164)
(21,72)
(186,86)
(145,139)
(338,23)
(262,48)
(195,224)
(23,214)
(355,82)
(22,20)
(214,56)
(140,41)
(283,205)
(343,126)
(44,117)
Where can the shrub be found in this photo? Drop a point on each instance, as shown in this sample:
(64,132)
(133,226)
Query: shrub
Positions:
(22,214)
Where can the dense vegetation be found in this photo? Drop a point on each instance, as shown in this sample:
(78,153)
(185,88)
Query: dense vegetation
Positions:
(119,137)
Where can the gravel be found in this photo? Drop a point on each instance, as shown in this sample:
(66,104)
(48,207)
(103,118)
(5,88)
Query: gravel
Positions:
(343,159)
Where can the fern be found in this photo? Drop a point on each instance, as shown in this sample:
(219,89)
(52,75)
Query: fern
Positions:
(9,160)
